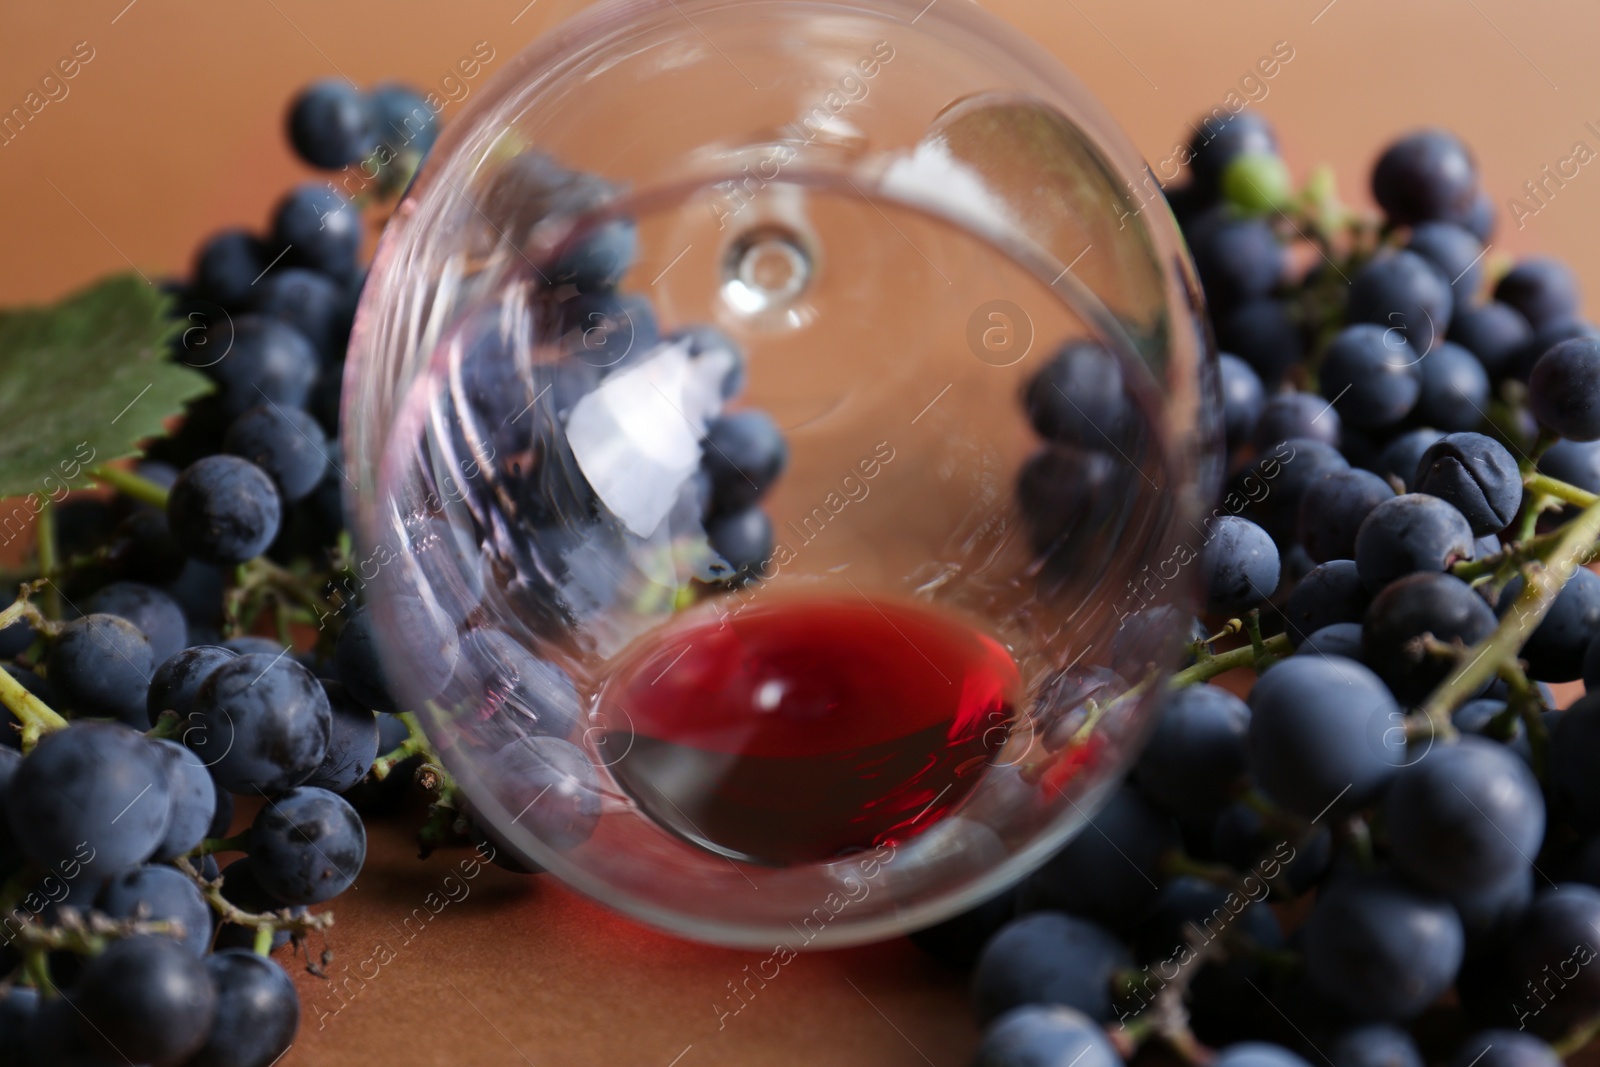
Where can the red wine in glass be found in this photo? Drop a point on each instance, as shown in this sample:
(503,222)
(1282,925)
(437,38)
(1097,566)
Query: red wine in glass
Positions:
(801,730)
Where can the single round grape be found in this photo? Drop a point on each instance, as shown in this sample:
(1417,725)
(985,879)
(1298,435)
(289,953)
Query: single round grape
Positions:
(257,1015)
(331,124)
(226,266)
(744,453)
(286,443)
(194,800)
(598,258)
(1411,533)
(147,999)
(158,894)
(1407,608)
(100,665)
(1381,951)
(402,118)
(1574,788)
(260,723)
(1332,510)
(307,846)
(1263,333)
(1423,176)
(1504,1048)
(1257,1054)
(359,662)
(553,786)
(1558,934)
(1405,297)
(1048,958)
(178,678)
(1331,593)
(1108,872)
(1237,259)
(1494,332)
(1556,648)
(1564,389)
(1401,456)
(1195,760)
(1040,1035)
(352,742)
(1477,475)
(1371,375)
(609,331)
(1298,416)
(1542,289)
(224,510)
(1310,739)
(1336,639)
(1243,398)
(1455,251)
(743,540)
(1238,566)
(1078,398)
(314,304)
(319,228)
(155,613)
(268,360)
(1463,816)
(1479,218)
(1455,389)
(1375,1045)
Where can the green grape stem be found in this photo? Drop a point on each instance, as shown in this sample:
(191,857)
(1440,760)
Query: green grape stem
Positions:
(1223,662)
(228,912)
(130,484)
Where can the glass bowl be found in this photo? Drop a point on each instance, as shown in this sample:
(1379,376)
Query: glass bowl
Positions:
(777,422)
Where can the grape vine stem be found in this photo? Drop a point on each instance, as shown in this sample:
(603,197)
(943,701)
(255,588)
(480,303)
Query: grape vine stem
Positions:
(1249,655)
(130,484)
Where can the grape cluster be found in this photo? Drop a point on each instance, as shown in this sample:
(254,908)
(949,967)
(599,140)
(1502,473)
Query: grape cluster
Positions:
(1387,849)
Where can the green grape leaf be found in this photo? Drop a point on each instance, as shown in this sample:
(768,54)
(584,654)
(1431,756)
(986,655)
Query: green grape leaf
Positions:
(84,381)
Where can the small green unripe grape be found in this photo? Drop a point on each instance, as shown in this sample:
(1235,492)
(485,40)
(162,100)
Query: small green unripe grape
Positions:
(1257,183)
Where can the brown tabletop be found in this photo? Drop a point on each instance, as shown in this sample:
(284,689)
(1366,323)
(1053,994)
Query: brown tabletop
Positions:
(172,128)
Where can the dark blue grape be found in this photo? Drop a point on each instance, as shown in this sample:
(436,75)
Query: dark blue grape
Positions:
(1243,399)
(744,453)
(743,540)
(1335,639)
(1424,176)
(552,786)
(100,665)
(227,266)
(1370,374)
(286,443)
(1257,1054)
(1189,906)
(199,589)
(1237,259)
(1078,398)
(1571,758)
(402,118)
(1455,389)
(319,228)
(1038,1035)
(157,894)
(258,1012)
(1406,295)
(358,658)
(1333,508)
(254,644)
(17,638)
(261,723)
(147,999)
(1241,839)
(1401,456)
(1555,649)
(352,743)
(314,304)
(1149,634)
(1381,951)
(1413,532)
(1557,935)
(1455,251)
(1494,332)
(1048,958)
(1331,593)
(1564,389)
(1238,565)
(1068,496)
(1477,475)
(1195,760)
(1221,139)
(177,680)
(193,797)
(1407,608)
(1264,333)
(1310,740)
(144,549)
(1107,873)
(1277,481)
(609,331)
(1542,289)
(156,615)
(240,888)
(1574,462)
(269,360)
(224,509)
(307,846)
(1504,1048)
(1479,218)
(331,124)
(1298,416)
(1375,1045)
(597,259)
(1463,816)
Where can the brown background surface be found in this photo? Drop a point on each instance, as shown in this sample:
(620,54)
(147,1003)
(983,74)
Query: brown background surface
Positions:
(173,130)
